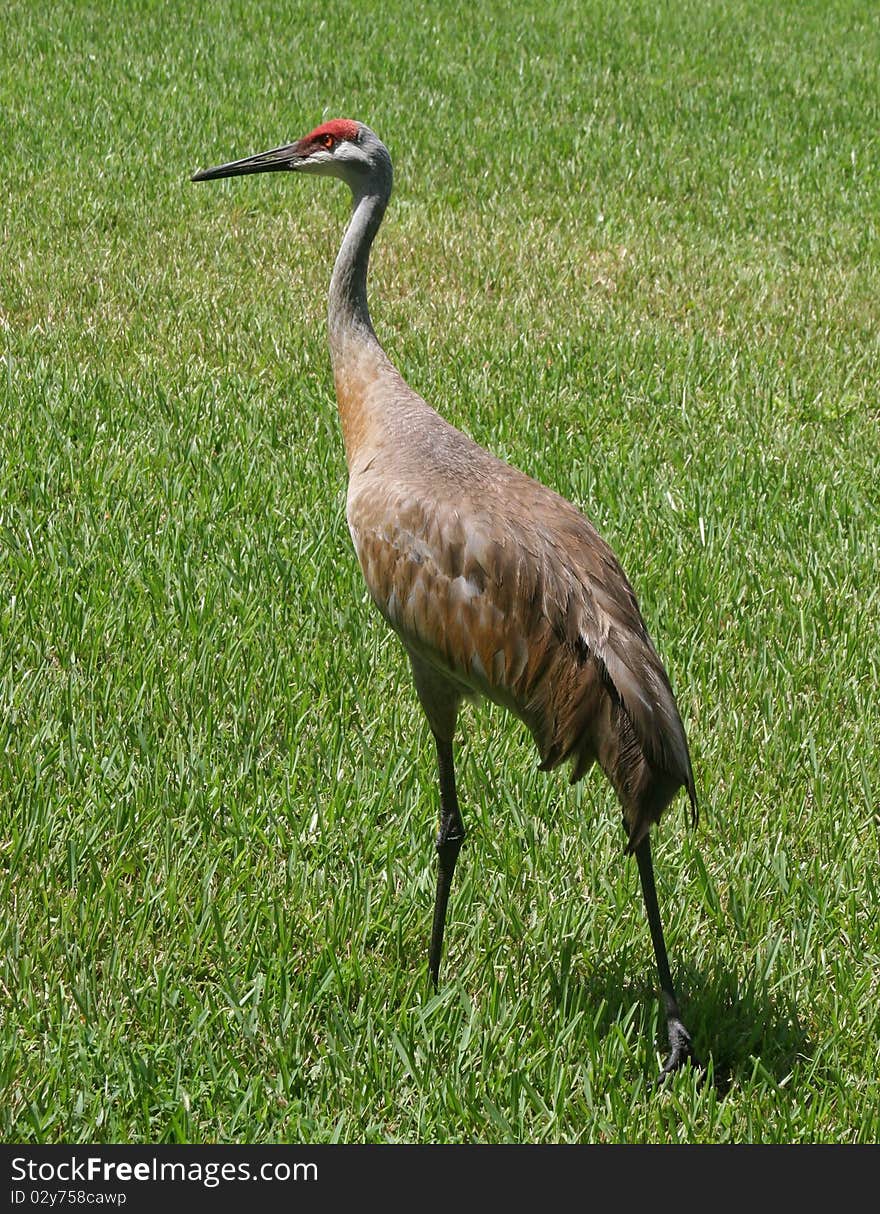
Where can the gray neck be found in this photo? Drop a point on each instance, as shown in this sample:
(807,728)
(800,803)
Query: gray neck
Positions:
(349,313)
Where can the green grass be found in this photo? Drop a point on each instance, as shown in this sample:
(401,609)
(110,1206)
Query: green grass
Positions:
(634,249)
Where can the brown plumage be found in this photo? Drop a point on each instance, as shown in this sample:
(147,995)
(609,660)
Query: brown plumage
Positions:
(506,590)
(496,585)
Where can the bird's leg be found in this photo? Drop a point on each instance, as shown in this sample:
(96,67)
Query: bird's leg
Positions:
(680,1049)
(449,841)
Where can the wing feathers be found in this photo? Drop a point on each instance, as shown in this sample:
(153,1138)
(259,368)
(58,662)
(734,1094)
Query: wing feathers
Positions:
(515,595)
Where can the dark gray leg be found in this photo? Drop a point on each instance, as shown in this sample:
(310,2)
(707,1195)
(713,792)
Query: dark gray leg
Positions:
(680,1049)
(449,841)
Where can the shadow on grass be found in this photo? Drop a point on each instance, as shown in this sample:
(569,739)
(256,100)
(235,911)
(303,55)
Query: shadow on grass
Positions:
(732,1021)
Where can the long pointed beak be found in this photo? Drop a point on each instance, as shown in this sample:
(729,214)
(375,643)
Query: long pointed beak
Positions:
(276,160)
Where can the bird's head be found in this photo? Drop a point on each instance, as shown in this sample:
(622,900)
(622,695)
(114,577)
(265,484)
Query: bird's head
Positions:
(339,148)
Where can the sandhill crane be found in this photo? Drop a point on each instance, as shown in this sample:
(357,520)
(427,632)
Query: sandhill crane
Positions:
(495,585)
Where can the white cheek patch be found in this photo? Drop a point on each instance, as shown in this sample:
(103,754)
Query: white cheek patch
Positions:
(346,150)
(318,162)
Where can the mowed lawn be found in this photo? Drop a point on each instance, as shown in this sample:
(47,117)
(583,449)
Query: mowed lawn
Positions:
(633,248)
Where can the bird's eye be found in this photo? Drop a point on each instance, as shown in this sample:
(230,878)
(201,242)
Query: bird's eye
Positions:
(327,141)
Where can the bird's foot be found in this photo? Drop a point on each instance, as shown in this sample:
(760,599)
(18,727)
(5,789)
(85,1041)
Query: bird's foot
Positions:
(681,1050)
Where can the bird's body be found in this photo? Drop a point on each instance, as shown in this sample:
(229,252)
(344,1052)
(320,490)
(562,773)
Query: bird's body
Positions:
(501,588)
(496,585)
